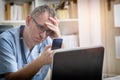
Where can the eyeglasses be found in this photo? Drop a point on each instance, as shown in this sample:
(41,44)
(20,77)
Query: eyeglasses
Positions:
(42,28)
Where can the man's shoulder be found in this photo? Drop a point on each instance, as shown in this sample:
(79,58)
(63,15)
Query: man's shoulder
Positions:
(10,34)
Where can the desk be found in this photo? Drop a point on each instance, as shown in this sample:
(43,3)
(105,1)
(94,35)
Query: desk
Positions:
(113,78)
(110,78)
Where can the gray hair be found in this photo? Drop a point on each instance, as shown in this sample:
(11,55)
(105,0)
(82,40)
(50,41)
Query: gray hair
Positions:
(41,9)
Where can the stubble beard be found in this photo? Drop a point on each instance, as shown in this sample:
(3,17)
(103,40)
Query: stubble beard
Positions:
(30,38)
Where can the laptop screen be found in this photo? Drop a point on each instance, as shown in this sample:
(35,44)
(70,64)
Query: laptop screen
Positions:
(78,64)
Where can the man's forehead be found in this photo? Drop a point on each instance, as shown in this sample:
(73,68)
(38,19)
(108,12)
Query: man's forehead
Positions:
(44,16)
(44,19)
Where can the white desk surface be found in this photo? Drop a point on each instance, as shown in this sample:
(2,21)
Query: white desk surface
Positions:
(113,78)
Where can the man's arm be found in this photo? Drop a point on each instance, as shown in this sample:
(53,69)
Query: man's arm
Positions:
(31,69)
(52,24)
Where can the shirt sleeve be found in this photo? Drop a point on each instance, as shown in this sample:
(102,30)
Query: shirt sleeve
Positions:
(7,57)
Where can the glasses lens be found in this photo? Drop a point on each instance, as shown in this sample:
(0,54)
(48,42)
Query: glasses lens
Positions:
(48,32)
(41,28)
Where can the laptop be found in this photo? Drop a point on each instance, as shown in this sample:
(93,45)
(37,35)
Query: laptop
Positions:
(78,64)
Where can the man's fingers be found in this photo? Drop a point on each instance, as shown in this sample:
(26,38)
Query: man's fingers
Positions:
(47,47)
(54,20)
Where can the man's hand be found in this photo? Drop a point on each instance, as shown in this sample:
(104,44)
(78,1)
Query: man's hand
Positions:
(47,55)
(53,26)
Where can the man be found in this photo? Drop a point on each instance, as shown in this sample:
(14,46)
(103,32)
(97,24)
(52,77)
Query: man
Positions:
(25,51)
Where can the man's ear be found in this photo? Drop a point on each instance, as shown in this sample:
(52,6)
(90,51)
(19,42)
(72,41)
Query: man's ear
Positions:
(28,19)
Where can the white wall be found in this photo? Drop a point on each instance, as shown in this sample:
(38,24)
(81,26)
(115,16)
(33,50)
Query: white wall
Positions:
(89,22)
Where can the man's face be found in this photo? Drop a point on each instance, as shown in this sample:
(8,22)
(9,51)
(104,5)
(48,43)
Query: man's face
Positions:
(38,29)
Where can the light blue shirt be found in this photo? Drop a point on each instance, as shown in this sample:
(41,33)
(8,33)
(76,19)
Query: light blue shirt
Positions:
(11,57)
